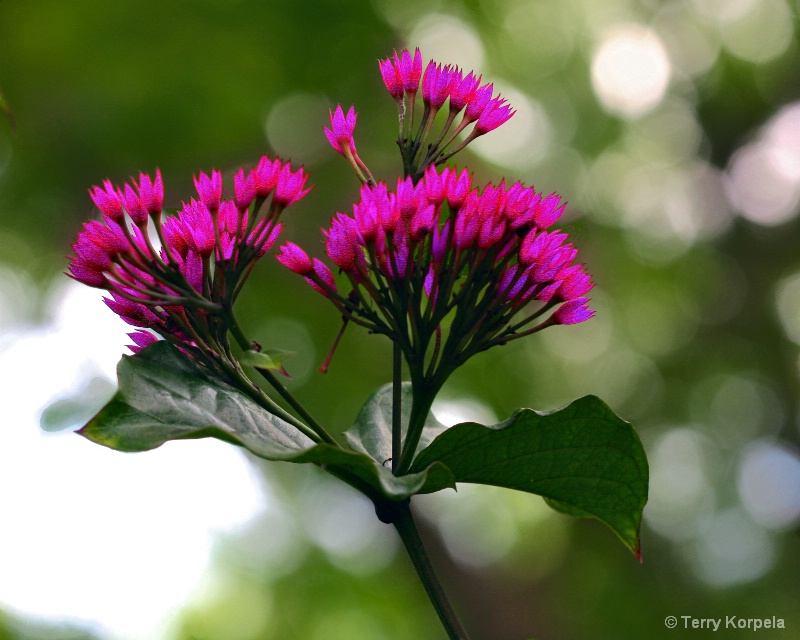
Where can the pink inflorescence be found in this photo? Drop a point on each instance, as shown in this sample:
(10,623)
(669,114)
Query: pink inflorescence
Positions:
(176,275)
(442,253)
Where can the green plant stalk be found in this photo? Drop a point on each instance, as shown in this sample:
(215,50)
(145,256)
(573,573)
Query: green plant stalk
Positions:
(397,407)
(245,344)
(403,521)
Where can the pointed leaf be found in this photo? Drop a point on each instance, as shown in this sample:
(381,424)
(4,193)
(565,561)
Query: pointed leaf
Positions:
(583,459)
(163,395)
(372,431)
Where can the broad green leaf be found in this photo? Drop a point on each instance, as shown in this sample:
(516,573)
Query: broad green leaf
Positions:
(163,395)
(583,459)
(271,359)
(372,431)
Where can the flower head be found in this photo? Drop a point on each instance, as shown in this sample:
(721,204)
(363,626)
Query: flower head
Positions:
(177,281)
(479,258)
(401,75)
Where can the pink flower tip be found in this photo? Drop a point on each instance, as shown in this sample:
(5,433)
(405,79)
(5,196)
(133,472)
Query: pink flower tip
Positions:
(573,312)
(295,259)
(340,135)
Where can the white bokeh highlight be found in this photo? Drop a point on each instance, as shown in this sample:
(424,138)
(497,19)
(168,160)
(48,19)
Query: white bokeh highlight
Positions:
(87,531)
(630,70)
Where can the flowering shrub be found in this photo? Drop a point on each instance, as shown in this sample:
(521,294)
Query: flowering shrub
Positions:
(444,268)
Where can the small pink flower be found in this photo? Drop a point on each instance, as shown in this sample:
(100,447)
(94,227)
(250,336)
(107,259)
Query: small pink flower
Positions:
(477,103)
(496,113)
(290,186)
(209,188)
(463,90)
(548,211)
(340,135)
(573,312)
(436,84)
(409,69)
(151,193)
(295,259)
(324,275)
(391,78)
(266,175)
(141,339)
(107,200)
(244,188)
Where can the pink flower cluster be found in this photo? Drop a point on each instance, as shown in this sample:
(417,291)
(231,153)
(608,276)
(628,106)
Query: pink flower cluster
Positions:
(439,246)
(161,271)
(401,75)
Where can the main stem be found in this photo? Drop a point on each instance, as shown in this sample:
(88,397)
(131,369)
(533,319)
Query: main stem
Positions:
(403,521)
(397,405)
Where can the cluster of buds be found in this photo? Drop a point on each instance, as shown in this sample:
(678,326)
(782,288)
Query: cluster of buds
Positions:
(448,270)
(464,93)
(179,275)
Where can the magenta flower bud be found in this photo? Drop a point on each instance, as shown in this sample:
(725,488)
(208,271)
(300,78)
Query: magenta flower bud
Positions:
(391,78)
(574,283)
(409,69)
(86,273)
(107,200)
(341,242)
(439,242)
(244,188)
(436,84)
(265,176)
(264,236)
(340,135)
(477,103)
(141,339)
(133,205)
(295,259)
(573,312)
(134,314)
(422,222)
(290,186)
(324,274)
(547,211)
(467,222)
(458,186)
(151,194)
(409,197)
(193,270)
(175,237)
(495,114)
(436,184)
(198,227)
(209,189)
(462,91)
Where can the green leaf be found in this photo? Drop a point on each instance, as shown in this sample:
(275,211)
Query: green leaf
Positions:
(584,459)
(271,359)
(163,395)
(372,431)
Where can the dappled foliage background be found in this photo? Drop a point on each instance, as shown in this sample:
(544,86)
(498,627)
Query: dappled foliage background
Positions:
(673,129)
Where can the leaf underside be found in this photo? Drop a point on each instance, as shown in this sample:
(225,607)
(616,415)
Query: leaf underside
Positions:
(163,396)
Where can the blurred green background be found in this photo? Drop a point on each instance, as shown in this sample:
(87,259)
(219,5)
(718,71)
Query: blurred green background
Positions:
(673,130)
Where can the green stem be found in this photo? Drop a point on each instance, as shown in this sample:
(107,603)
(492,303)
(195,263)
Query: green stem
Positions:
(397,407)
(284,393)
(421,403)
(403,521)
